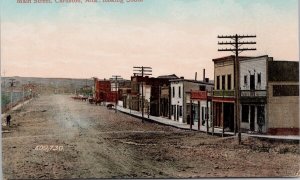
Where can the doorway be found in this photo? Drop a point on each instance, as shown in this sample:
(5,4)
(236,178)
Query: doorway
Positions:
(229,116)
(252,118)
(252,82)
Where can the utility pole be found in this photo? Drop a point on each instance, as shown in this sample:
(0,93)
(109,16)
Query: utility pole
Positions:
(142,72)
(237,49)
(4,79)
(23,93)
(12,83)
(116,79)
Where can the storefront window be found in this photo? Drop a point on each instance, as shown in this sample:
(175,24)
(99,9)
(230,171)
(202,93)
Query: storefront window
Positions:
(245,113)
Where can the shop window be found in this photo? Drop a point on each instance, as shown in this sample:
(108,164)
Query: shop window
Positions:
(203,115)
(180,111)
(174,110)
(245,113)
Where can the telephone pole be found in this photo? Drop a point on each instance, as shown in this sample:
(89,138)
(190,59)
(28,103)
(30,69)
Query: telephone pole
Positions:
(12,84)
(116,79)
(4,79)
(237,43)
(142,72)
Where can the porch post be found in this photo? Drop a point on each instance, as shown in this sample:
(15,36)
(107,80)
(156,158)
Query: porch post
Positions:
(191,113)
(222,116)
(198,115)
(206,114)
(213,116)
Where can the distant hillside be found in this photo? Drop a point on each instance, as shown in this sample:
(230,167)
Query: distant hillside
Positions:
(48,85)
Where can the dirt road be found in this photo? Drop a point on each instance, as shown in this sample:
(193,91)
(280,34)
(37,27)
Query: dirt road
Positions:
(87,141)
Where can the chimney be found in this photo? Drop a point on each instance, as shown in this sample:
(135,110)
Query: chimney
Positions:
(195,76)
(204,75)
(181,77)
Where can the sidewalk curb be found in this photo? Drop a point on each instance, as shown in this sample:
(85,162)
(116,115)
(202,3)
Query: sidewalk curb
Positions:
(264,138)
(174,126)
(153,121)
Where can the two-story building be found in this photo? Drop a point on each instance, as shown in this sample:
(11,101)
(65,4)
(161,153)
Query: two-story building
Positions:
(224,93)
(253,79)
(269,96)
(165,96)
(150,87)
(181,103)
(124,92)
(283,98)
(102,91)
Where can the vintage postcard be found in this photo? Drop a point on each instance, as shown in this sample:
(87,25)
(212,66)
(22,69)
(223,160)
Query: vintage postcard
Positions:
(149,89)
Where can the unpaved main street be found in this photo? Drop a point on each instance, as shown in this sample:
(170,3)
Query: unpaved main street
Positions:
(99,143)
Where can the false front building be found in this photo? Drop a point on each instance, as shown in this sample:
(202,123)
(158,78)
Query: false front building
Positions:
(269,96)
(224,93)
(182,104)
(253,93)
(153,103)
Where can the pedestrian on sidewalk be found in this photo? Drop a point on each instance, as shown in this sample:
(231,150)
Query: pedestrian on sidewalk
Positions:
(8,118)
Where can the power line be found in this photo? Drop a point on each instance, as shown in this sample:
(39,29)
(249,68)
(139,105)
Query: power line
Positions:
(116,79)
(143,71)
(12,84)
(236,43)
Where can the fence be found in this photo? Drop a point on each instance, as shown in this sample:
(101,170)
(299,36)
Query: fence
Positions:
(11,99)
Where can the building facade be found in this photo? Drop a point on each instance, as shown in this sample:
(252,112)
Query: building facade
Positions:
(283,98)
(102,92)
(165,95)
(150,87)
(269,96)
(183,109)
(224,93)
(253,93)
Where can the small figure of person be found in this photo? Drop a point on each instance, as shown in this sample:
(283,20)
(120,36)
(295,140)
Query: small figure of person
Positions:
(8,118)
(193,115)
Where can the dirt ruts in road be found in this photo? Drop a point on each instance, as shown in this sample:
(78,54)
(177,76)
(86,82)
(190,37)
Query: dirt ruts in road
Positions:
(99,143)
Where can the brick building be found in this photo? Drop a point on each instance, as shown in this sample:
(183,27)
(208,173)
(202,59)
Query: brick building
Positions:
(102,91)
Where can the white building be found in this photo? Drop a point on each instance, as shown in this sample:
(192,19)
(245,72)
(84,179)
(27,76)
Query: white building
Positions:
(177,100)
(253,101)
(181,103)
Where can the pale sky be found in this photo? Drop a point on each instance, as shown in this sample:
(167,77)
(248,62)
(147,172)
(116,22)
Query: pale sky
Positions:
(172,36)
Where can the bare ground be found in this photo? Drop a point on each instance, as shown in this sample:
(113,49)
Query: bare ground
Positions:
(99,143)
